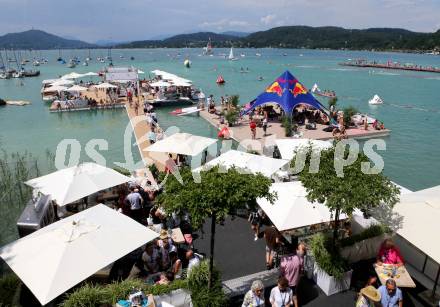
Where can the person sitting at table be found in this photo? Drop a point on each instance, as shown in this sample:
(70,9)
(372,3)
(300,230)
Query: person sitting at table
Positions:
(389,254)
(255,296)
(368,297)
(391,296)
(166,246)
(176,264)
(148,264)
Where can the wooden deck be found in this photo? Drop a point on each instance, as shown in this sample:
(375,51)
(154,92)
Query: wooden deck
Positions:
(242,133)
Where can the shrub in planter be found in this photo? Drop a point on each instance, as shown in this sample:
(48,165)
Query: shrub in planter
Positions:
(154,170)
(87,295)
(348,113)
(231,117)
(370,232)
(201,295)
(122,170)
(331,272)
(234,100)
(287,124)
(8,286)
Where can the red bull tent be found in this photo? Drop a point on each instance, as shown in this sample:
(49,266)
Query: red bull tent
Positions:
(287,92)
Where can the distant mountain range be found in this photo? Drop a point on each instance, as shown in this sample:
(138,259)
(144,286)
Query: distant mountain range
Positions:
(305,37)
(280,37)
(37,39)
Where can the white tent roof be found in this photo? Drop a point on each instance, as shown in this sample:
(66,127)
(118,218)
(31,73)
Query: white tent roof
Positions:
(243,160)
(160,83)
(77,88)
(421,215)
(182,143)
(55,258)
(117,76)
(288,146)
(181,83)
(292,210)
(72,75)
(91,73)
(55,88)
(70,184)
(105,85)
(62,82)
(49,81)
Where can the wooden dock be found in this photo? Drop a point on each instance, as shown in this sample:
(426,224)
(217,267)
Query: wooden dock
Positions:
(242,133)
(141,128)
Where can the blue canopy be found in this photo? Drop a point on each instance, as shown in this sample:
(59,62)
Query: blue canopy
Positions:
(288,92)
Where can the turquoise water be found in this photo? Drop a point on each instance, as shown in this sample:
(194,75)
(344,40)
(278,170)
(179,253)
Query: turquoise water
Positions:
(411,110)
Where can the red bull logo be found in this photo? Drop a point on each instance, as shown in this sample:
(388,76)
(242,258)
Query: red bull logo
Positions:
(275,88)
(299,89)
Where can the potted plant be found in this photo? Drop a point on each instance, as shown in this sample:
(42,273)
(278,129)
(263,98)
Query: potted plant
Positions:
(348,113)
(342,193)
(234,101)
(231,117)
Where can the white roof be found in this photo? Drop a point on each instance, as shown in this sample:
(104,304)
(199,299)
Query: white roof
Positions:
(72,75)
(116,76)
(182,143)
(179,82)
(55,258)
(168,76)
(105,85)
(288,146)
(420,213)
(246,161)
(49,81)
(73,183)
(91,73)
(292,210)
(62,82)
(160,83)
(77,88)
(55,88)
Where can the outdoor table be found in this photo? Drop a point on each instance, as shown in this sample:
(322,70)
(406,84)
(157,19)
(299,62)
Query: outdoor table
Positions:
(177,236)
(402,278)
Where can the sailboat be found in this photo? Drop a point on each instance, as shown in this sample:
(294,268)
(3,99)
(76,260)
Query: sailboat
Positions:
(208,49)
(89,58)
(231,55)
(375,100)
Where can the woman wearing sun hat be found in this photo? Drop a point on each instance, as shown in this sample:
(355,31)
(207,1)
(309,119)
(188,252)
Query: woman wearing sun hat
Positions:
(368,297)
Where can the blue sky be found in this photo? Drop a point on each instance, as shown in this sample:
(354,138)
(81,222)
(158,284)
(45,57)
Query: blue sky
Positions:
(142,19)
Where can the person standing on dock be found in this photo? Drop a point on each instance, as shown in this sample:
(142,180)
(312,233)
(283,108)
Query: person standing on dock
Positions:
(253,127)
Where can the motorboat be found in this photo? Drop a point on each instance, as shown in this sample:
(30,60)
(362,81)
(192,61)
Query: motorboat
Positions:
(17,102)
(185,111)
(376,100)
(36,63)
(71,64)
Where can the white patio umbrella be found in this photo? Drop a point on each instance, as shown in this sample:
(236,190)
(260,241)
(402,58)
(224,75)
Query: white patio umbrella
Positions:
(246,161)
(55,88)
(70,184)
(291,209)
(55,258)
(182,143)
(62,82)
(72,75)
(105,85)
(288,146)
(77,88)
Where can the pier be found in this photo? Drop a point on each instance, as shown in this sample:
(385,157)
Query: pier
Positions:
(365,64)
(241,132)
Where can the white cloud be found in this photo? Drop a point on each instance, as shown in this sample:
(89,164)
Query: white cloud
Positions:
(223,24)
(268,19)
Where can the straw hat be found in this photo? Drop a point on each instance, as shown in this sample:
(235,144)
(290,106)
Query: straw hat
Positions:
(163,234)
(371,293)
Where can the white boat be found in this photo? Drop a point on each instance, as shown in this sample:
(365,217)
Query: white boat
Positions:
(36,63)
(258,54)
(86,63)
(376,100)
(185,111)
(4,76)
(231,55)
(17,102)
(208,49)
(315,88)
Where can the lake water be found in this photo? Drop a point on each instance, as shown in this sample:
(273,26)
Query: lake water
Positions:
(411,109)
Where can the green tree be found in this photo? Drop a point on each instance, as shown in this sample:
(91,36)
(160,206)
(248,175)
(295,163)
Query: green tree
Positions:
(355,189)
(218,194)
